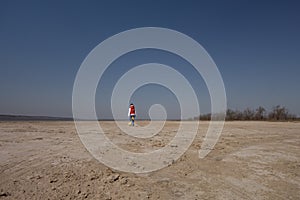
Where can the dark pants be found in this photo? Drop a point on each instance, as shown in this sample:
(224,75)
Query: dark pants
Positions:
(132,117)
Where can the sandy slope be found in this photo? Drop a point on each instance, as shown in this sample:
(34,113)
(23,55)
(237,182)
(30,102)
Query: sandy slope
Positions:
(252,160)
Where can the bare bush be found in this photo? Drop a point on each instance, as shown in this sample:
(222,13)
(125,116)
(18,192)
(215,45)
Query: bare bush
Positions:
(278,113)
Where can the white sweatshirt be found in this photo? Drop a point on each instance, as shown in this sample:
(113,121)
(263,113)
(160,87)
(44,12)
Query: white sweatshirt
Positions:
(129,112)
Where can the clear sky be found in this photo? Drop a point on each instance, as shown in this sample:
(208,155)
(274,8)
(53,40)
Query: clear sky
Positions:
(255,45)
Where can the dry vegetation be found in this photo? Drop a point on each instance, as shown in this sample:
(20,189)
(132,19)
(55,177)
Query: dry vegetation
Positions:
(278,113)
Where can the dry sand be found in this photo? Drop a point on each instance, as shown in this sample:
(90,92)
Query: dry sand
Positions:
(252,160)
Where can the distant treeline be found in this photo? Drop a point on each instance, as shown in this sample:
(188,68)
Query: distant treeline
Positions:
(278,113)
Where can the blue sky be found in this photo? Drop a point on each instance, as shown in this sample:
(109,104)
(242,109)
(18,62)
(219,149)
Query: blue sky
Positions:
(255,45)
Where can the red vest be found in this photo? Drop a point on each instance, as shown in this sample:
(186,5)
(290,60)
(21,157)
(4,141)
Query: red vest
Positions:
(132,110)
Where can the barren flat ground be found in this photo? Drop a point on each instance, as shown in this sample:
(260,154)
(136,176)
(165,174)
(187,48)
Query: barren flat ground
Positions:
(252,160)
